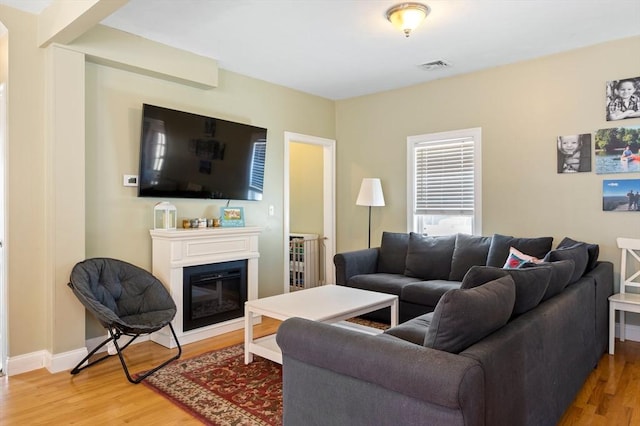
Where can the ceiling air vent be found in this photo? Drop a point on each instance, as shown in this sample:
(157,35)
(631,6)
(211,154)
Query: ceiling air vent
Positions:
(435,65)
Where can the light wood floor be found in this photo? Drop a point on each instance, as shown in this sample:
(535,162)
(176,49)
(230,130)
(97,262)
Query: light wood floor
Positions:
(101,395)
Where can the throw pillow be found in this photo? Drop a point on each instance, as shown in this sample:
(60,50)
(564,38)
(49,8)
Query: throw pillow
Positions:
(429,258)
(517,259)
(592,249)
(500,244)
(469,250)
(577,252)
(393,252)
(561,272)
(463,317)
(531,284)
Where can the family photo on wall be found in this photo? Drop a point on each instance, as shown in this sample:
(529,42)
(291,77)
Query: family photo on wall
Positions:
(623,99)
(618,150)
(621,195)
(574,153)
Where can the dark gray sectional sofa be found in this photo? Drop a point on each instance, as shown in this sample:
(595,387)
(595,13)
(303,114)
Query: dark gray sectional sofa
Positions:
(502,347)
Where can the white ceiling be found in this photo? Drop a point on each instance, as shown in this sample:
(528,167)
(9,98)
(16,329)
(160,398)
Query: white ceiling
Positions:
(344,48)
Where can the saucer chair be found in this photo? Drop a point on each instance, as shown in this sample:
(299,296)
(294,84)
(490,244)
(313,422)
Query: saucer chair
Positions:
(127,300)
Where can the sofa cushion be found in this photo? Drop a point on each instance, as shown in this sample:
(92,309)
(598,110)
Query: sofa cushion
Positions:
(427,293)
(531,284)
(561,272)
(592,249)
(577,252)
(428,257)
(414,331)
(463,317)
(469,250)
(500,244)
(393,252)
(383,283)
(517,259)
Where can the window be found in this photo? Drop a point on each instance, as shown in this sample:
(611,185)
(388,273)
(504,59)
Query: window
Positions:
(444,182)
(258,155)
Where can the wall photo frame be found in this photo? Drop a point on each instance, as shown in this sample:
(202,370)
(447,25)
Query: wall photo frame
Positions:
(618,150)
(621,195)
(232,216)
(574,153)
(623,98)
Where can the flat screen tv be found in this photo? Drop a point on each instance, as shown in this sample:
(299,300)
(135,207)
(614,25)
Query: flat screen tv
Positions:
(185,155)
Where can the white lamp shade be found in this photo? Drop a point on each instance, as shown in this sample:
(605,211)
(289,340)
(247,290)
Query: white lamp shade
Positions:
(370,193)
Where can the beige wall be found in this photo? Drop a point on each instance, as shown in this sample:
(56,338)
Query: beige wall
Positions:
(40,314)
(25,232)
(118,222)
(521,109)
(305,188)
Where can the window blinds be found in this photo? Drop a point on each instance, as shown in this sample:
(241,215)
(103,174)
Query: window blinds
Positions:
(444,177)
(257,164)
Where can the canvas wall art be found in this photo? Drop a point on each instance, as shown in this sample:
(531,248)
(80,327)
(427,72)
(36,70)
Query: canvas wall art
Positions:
(623,99)
(621,195)
(574,153)
(618,150)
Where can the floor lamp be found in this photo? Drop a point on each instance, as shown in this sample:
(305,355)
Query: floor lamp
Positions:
(370,195)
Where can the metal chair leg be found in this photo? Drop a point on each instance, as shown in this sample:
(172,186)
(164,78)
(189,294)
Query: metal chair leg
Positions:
(114,335)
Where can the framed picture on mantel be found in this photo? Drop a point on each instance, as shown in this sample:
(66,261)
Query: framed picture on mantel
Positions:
(232,216)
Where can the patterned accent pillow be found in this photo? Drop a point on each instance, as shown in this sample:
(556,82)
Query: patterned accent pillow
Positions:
(518,259)
(499,249)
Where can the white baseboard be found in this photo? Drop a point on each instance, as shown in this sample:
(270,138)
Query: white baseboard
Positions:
(24,363)
(56,363)
(632,332)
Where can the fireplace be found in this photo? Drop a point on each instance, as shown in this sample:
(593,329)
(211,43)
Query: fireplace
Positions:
(175,250)
(213,293)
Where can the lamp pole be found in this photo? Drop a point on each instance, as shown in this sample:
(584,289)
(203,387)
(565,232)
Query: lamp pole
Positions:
(369,227)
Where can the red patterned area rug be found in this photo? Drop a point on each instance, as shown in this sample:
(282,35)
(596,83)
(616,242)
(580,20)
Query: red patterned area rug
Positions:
(219,389)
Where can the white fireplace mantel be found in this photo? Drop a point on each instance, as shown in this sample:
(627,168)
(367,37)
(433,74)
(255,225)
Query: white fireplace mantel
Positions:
(176,249)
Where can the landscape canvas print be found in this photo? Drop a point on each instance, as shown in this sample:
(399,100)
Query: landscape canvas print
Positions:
(618,150)
(621,195)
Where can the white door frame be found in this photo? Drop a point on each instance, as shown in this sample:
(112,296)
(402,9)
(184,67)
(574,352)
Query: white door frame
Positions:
(329,200)
(4,300)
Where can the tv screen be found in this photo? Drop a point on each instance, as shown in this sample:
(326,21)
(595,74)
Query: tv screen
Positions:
(185,155)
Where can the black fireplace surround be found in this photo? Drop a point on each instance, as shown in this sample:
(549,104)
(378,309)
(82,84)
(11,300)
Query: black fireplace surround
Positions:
(213,293)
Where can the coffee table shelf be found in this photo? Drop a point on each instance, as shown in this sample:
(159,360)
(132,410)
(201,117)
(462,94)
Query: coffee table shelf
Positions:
(330,304)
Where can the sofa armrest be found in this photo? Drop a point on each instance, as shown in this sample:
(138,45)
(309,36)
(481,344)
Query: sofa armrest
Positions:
(356,262)
(427,380)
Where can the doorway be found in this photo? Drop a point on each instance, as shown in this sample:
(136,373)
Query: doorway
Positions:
(323,151)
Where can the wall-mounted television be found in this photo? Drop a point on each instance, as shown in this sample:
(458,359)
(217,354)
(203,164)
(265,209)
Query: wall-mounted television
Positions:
(186,155)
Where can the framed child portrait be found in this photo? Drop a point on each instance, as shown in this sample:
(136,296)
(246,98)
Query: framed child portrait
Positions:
(623,98)
(232,216)
(574,153)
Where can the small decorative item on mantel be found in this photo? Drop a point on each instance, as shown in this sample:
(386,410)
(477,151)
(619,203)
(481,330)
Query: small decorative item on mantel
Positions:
(165,216)
(231,216)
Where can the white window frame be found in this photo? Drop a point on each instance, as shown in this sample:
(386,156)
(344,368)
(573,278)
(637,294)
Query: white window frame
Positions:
(415,141)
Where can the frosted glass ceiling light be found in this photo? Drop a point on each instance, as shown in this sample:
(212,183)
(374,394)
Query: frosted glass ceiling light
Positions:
(407,16)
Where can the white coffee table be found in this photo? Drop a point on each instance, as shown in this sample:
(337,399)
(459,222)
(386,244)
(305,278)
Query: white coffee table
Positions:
(328,304)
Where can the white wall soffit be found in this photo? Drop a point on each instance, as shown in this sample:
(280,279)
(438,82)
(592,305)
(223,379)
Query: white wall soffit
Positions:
(118,49)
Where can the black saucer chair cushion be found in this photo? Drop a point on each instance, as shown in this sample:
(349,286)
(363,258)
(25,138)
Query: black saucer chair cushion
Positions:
(122,295)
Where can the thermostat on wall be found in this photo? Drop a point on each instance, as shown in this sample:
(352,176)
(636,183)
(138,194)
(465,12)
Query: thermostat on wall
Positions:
(130,180)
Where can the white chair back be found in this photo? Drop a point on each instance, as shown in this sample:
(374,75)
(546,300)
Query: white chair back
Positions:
(629,271)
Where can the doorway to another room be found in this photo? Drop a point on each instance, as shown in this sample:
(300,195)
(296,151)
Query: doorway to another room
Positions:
(309,211)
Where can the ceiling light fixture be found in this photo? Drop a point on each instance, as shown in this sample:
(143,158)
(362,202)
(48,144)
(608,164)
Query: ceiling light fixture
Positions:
(407,16)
